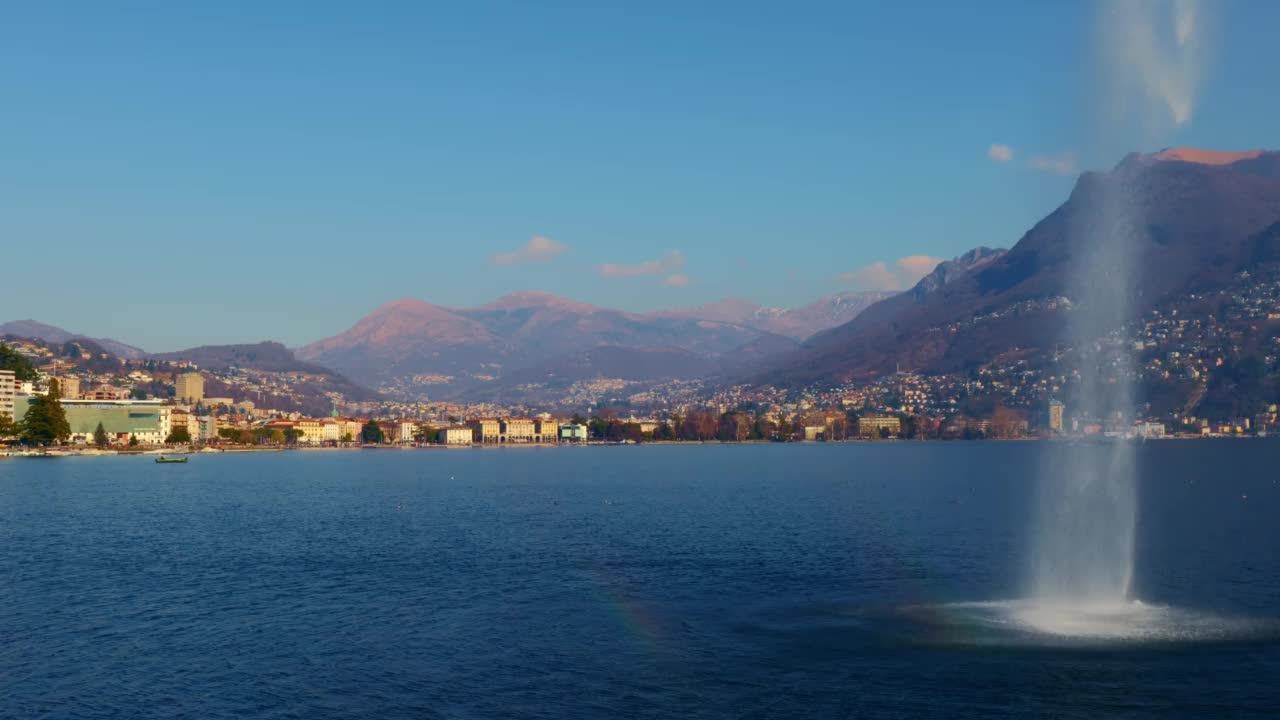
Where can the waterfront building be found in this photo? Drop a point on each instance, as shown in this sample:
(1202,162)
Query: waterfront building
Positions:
(1056,412)
(189,387)
(870,425)
(573,433)
(390,431)
(146,420)
(206,428)
(406,431)
(455,435)
(1149,429)
(312,431)
(350,428)
(330,430)
(185,420)
(517,430)
(488,429)
(545,429)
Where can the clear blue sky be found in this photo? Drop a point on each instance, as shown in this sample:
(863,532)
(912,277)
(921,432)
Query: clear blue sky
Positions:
(181,173)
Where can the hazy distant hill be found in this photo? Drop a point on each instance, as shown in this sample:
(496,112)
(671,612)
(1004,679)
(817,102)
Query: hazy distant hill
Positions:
(270,356)
(266,357)
(52,334)
(795,323)
(1202,211)
(415,346)
(545,384)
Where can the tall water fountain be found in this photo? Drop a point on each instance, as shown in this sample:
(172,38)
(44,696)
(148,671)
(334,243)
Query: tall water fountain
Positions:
(1082,549)
(1084,552)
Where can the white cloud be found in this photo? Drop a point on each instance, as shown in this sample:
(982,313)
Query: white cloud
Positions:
(876,276)
(1063,163)
(538,249)
(906,272)
(673,260)
(913,267)
(677,280)
(1000,153)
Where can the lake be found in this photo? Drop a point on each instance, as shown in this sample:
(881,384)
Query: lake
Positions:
(713,581)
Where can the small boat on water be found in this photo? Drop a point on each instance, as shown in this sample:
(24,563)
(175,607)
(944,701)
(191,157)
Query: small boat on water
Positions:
(165,461)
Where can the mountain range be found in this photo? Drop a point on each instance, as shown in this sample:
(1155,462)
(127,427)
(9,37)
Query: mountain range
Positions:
(531,346)
(1200,217)
(267,357)
(414,347)
(52,334)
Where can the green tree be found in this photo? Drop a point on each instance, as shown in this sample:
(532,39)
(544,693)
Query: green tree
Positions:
(8,428)
(664,432)
(346,438)
(21,367)
(784,430)
(229,434)
(371,434)
(179,435)
(46,420)
(291,436)
(764,429)
(427,432)
(133,441)
(598,428)
(631,432)
(100,436)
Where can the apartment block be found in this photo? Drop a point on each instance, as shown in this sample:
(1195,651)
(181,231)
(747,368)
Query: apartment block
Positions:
(190,388)
(8,389)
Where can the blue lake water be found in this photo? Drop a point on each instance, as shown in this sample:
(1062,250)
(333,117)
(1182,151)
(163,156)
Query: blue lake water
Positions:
(763,581)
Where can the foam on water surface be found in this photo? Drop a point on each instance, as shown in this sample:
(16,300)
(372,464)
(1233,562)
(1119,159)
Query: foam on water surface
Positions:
(1032,623)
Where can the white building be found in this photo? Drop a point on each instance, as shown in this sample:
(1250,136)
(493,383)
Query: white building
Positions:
(573,433)
(208,428)
(1149,430)
(146,420)
(406,430)
(330,430)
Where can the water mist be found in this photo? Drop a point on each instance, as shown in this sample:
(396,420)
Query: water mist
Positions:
(1083,553)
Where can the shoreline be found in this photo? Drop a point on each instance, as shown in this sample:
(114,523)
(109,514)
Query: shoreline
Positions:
(212,450)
